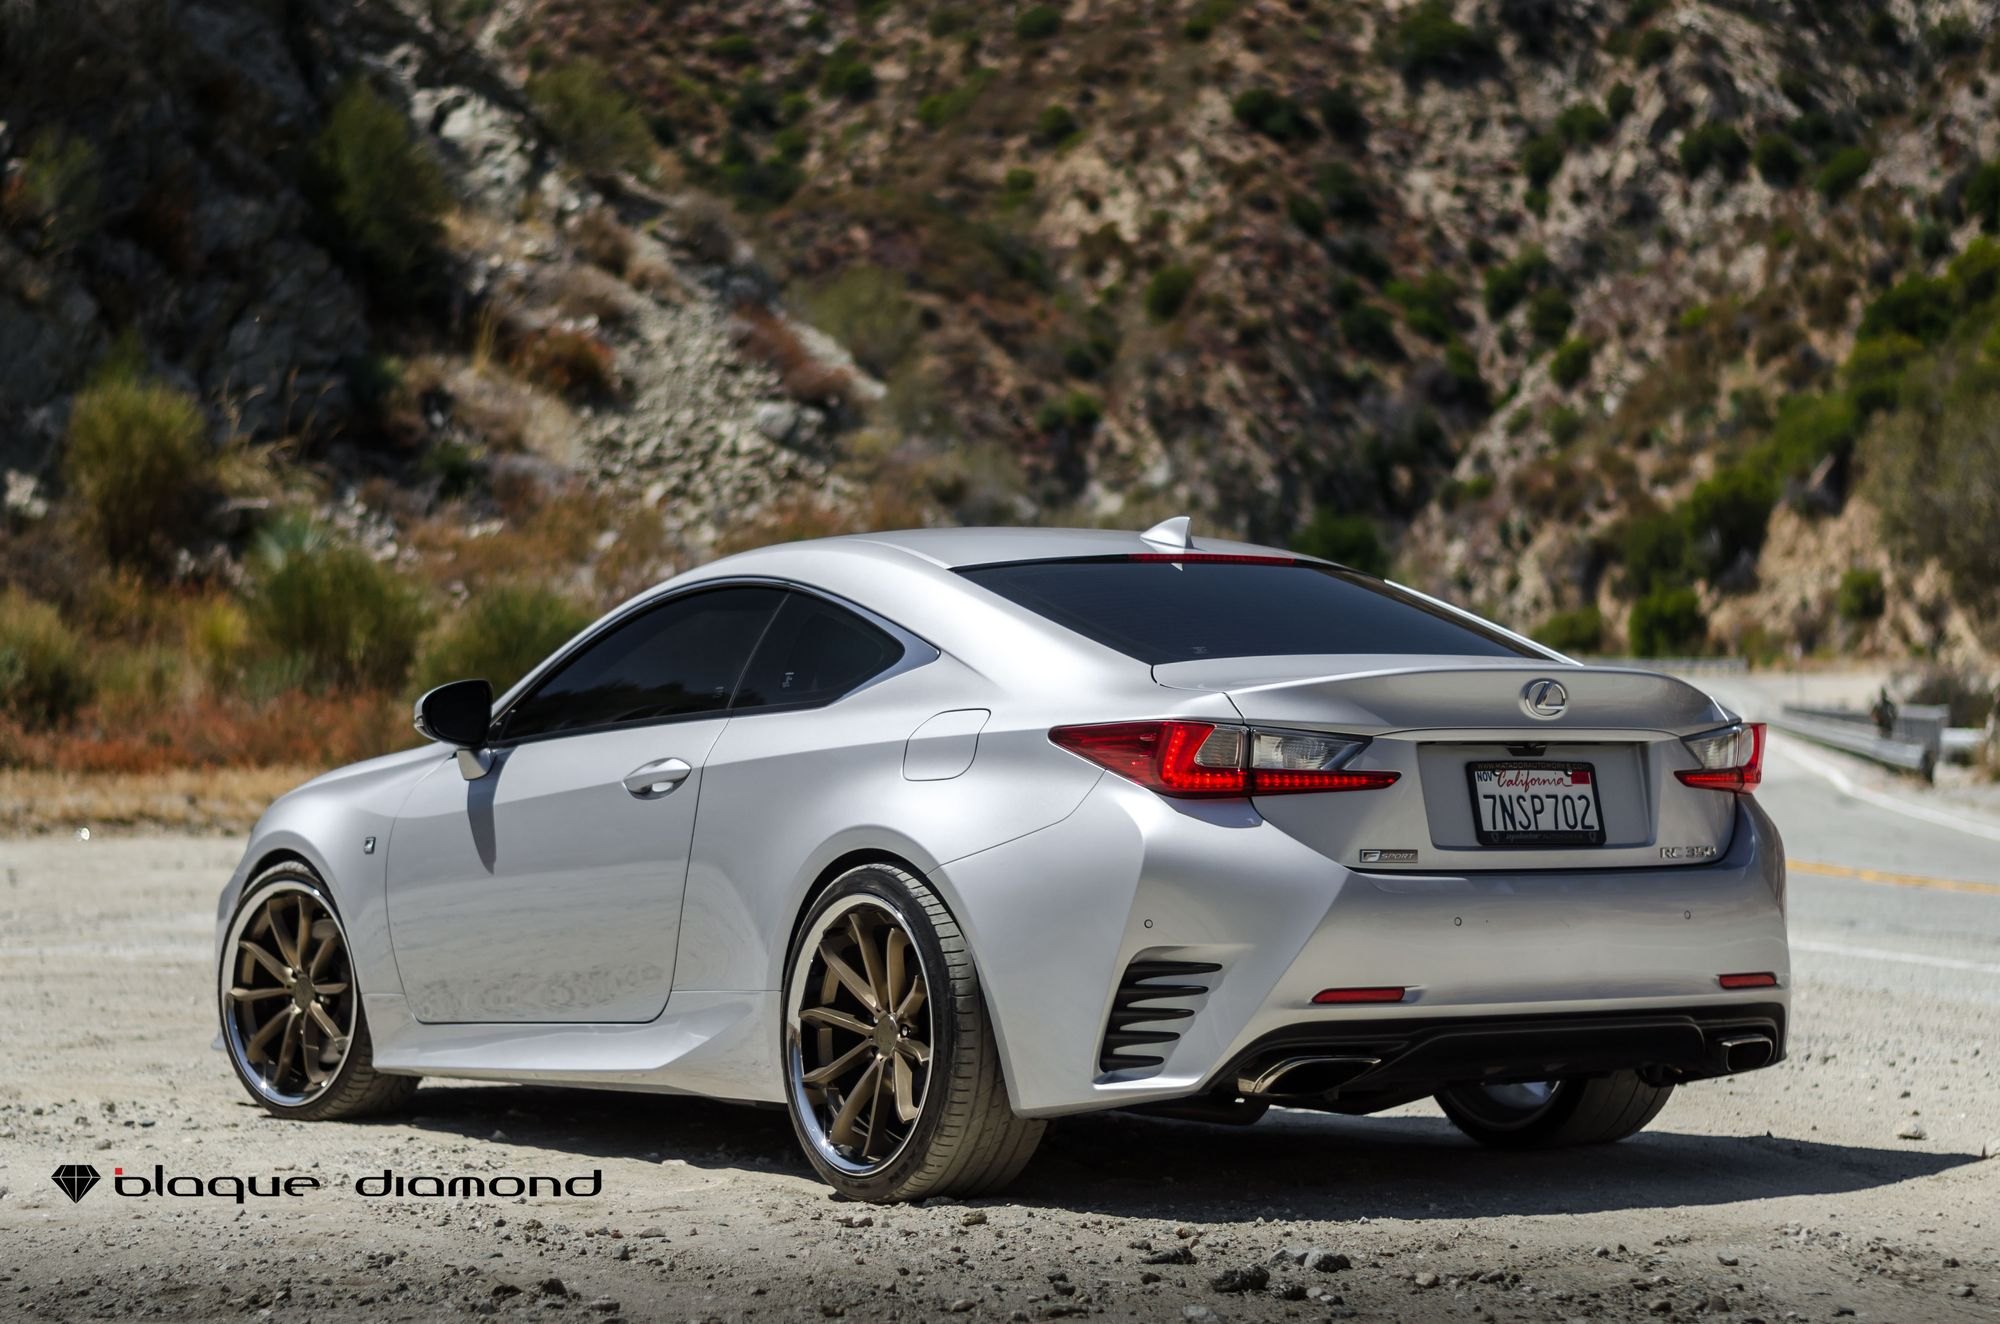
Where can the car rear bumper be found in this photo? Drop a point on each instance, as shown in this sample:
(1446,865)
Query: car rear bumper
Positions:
(1146,950)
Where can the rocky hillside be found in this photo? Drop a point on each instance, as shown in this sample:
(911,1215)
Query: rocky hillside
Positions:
(1655,324)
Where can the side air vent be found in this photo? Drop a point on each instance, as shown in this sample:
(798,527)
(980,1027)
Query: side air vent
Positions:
(1155,994)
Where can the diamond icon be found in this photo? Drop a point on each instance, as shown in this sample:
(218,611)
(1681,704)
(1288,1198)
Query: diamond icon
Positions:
(75,1179)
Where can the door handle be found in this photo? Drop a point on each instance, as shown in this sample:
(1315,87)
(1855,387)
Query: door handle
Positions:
(650,781)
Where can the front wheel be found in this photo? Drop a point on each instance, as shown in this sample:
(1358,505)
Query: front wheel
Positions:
(1551,1114)
(892,1074)
(291,1014)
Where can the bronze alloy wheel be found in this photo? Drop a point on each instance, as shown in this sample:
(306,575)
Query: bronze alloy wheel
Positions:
(288,1001)
(859,1037)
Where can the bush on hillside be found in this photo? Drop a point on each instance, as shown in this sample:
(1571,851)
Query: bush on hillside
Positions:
(1578,631)
(848,74)
(1342,113)
(1344,192)
(1571,362)
(1936,475)
(1727,517)
(499,634)
(1668,621)
(1509,283)
(1429,42)
(599,127)
(1842,172)
(1350,540)
(1541,158)
(381,191)
(1618,101)
(866,309)
(1654,46)
(1981,198)
(1369,329)
(138,466)
(1167,292)
(1916,306)
(1860,597)
(1549,315)
(1430,305)
(1056,126)
(1714,145)
(1272,114)
(1581,124)
(55,191)
(1779,160)
(330,615)
(1037,23)
(44,669)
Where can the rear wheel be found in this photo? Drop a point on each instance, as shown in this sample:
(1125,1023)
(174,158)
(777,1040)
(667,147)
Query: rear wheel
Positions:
(291,1014)
(892,1074)
(1550,1114)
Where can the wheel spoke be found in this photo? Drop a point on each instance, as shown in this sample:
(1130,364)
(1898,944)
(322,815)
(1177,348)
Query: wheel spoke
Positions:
(257,994)
(324,1021)
(871,961)
(842,1130)
(832,1070)
(875,1108)
(294,1031)
(914,1049)
(272,966)
(332,990)
(282,936)
(906,1081)
(912,1001)
(844,972)
(257,1049)
(836,1019)
(327,947)
(897,948)
(303,938)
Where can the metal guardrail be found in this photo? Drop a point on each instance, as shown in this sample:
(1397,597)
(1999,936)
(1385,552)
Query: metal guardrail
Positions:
(1913,744)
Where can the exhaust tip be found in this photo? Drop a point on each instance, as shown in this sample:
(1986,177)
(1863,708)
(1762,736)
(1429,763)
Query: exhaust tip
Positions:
(1304,1077)
(1747,1053)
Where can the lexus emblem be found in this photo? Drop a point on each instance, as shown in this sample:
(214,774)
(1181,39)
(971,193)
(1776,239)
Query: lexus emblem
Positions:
(1544,698)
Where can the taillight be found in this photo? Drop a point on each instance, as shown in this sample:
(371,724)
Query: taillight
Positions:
(1731,759)
(1207,759)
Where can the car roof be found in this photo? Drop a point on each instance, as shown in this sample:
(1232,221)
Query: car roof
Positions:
(954,548)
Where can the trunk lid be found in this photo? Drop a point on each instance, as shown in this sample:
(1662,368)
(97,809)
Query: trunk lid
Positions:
(1451,726)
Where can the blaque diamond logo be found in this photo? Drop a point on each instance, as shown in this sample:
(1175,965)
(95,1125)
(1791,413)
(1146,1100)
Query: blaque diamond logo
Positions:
(75,1179)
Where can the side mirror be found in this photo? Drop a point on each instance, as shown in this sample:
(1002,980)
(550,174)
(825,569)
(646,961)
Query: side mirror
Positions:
(460,714)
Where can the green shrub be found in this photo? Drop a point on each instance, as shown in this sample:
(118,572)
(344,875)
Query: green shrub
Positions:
(1428,41)
(1077,412)
(1842,172)
(736,47)
(941,108)
(1982,196)
(499,634)
(1509,283)
(1952,36)
(1541,158)
(868,310)
(1936,475)
(1565,424)
(44,666)
(1342,113)
(1463,386)
(1037,23)
(848,73)
(1018,183)
(1778,160)
(56,190)
(1884,31)
(1206,18)
(1654,46)
(1668,621)
(331,615)
(1715,144)
(1809,428)
(1727,516)
(1581,124)
(1167,292)
(1874,371)
(1344,192)
(1654,550)
(1916,306)
(1430,305)
(1056,126)
(596,124)
(1369,329)
(1272,114)
(1618,101)
(760,184)
(1860,597)
(1578,631)
(1571,363)
(138,466)
(1975,273)
(1350,540)
(1305,213)
(381,191)
(1549,315)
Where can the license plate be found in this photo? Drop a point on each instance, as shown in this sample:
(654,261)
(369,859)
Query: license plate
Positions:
(1536,804)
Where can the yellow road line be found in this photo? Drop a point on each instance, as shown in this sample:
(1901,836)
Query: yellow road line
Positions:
(1890,879)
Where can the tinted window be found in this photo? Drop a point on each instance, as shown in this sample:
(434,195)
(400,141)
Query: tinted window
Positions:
(814,652)
(1163,612)
(679,658)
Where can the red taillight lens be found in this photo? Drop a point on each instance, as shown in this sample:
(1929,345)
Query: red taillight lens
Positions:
(1731,760)
(1331,997)
(1761,980)
(1205,759)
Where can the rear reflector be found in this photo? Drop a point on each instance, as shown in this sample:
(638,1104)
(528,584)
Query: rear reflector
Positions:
(1762,980)
(1335,996)
(1732,760)
(1204,759)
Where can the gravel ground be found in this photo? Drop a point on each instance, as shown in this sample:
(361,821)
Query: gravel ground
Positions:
(1847,1182)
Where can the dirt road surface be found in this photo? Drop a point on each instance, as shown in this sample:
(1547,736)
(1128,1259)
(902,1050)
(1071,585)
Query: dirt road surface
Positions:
(1847,1182)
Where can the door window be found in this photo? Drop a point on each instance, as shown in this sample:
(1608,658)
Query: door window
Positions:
(814,652)
(681,658)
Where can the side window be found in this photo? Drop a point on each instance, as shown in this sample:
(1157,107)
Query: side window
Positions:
(682,657)
(813,653)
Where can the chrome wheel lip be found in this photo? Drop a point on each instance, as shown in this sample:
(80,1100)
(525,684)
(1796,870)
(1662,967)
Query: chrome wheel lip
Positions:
(232,1029)
(804,1109)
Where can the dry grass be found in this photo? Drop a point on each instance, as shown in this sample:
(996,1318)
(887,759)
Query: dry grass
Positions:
(227,800)
(132,734)
(805,376)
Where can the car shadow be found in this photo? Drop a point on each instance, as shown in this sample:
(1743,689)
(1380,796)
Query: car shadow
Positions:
(1292,1164)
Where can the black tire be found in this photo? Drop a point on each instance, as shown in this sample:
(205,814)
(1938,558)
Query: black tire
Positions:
(965,1139)
(355,1088)
(1580,1110)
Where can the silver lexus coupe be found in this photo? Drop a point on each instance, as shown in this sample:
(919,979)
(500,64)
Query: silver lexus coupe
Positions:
(932,836)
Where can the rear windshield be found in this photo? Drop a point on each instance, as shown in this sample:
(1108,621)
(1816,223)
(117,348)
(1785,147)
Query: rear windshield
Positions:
(1160,612)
